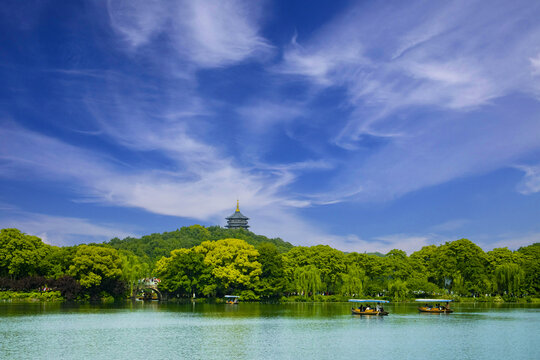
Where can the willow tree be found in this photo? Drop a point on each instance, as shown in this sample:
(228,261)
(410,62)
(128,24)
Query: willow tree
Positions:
(307,280)
(353,281)
(133,269)
(397,289)
(508,278)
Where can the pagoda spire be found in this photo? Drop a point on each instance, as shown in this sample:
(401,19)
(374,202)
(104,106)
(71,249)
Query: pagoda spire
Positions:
(237,205)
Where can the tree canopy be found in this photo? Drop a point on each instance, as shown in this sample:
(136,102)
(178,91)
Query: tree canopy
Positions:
(199,261)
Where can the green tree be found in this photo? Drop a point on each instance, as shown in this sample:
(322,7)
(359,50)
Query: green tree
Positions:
(458,284)
(272,281)
(423,262)
(397,289)
(20,254)
(93,264)
(509,278)
(329,262)
(464,259)
(133,269)
(377,271)
(353,281)
(307,280)
(56,261)
(234,265)
(529,261)
(183,273)
(398,265)
(499,256)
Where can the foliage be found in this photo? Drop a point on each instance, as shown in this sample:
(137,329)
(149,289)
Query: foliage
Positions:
(98,269)
(133,269)
(31,296)
(207,261)
(398,290)
(353,281)
(183,273)
(271,281)
(151,248)
(307,280)
(463,263)
(233,264)
(20,254)
(508,278)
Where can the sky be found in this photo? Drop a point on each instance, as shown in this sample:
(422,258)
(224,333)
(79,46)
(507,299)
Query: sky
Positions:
(363,125)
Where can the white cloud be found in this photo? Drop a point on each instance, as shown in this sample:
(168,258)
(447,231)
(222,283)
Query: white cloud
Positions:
(450,225)
(407,243)
(204,184)
(61,230)
(425,81)
(531,181)
(137,20)
(207,33)
(512,241)
(279,221)
(418,54)
(263,115)
(535,63)
(328,57)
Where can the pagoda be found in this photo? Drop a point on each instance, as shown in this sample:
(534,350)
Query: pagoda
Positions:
(237,220)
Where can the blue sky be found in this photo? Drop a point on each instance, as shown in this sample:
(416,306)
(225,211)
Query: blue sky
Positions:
(365,125)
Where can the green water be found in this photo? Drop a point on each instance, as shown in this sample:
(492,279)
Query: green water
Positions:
(264,331)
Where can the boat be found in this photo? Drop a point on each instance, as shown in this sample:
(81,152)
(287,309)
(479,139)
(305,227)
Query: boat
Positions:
(231,299)
(368,310)
(437,308)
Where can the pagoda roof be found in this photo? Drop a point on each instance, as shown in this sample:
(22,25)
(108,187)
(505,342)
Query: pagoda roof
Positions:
(237,215)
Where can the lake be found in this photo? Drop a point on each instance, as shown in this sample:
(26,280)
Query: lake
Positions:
(265,331)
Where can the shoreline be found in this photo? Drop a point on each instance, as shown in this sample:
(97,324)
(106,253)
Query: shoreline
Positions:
(55,296)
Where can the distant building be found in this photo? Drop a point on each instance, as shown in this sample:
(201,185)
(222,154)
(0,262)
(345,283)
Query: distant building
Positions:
(237,220)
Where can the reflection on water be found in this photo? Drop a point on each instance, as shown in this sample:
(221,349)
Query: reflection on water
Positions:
(265,331)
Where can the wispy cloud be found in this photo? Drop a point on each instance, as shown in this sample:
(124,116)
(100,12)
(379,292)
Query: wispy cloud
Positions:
(62,230)
(438,61)
(535,63)
(208,33)
(449,225)
(200,188)
(261,116)
(188,107)
(531,181)
(512,241)
(429,81)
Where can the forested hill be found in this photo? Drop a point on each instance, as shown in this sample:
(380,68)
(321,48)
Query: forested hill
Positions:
(153,247)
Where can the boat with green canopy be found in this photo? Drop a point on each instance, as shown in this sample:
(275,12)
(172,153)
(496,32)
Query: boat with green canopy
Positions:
(231,299)
(437,308)
(367,309)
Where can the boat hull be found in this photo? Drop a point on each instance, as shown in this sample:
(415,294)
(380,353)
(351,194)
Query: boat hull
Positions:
(435,310)
(369,312)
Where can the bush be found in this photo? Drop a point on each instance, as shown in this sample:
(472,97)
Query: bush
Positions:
(248,295)
(30,296)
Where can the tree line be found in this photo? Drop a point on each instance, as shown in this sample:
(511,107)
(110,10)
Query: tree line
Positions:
(199,261)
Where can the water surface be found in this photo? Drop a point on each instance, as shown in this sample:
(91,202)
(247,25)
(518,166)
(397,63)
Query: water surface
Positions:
(265,331)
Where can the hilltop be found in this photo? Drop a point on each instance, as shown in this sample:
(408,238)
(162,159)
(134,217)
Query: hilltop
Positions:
(153,247)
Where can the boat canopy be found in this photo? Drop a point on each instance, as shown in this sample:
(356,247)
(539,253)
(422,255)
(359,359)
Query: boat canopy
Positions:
(369,301)
(434,300)
(231,296)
